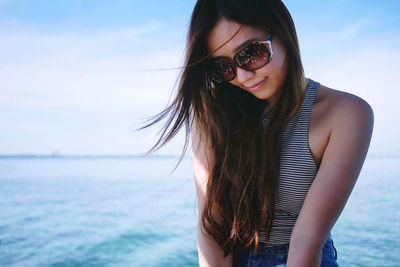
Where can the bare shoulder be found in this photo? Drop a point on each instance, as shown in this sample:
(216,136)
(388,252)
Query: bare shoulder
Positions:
(341,108)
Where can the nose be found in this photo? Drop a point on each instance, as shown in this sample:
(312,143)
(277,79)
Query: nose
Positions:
(243,75)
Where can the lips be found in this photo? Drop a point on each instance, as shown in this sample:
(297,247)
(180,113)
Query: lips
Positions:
(257,85)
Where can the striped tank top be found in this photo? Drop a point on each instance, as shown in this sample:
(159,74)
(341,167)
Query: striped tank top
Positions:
(297,170)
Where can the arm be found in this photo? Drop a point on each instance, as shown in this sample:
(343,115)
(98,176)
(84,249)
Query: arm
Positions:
(210,253)
(341,164)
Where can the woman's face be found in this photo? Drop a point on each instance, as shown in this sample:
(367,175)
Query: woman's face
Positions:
(264,83)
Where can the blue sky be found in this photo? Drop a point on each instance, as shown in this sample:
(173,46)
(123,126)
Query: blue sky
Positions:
(69,79)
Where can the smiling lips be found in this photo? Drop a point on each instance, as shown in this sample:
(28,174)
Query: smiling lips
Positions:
(257,85)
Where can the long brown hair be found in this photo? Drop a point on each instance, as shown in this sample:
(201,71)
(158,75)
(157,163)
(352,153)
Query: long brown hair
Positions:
(239,202)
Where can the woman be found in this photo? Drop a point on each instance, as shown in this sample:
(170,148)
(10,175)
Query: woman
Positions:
(275,155)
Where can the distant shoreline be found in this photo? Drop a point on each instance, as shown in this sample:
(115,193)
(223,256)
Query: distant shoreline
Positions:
(155,156)
(34,156)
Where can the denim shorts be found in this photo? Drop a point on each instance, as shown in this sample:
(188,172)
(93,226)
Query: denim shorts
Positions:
(276,256)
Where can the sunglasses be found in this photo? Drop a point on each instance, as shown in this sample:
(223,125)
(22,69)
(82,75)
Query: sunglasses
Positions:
(253,56)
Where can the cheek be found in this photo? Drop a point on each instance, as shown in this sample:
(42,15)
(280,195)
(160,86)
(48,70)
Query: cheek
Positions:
(279,58)
(278,65)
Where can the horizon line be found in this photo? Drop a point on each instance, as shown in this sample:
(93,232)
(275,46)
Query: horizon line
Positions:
(59,155)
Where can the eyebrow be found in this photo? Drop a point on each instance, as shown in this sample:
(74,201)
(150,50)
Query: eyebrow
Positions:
(238,48)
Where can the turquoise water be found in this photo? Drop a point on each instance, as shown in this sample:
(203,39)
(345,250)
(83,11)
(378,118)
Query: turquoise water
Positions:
(134,212)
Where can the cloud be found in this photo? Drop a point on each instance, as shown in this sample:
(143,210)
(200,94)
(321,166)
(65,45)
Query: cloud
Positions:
(353,29)
(80,91)
(95,69)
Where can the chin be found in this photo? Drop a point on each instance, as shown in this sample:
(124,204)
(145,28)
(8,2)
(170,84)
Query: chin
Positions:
(260,96)
(264,95)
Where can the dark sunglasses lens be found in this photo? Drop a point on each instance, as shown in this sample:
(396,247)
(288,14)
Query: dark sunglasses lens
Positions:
(222,71)
(253,56)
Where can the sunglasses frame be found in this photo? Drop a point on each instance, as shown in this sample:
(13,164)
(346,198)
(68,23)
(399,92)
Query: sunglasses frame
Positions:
(235,63)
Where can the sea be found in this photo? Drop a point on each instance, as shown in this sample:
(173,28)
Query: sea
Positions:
(142,211)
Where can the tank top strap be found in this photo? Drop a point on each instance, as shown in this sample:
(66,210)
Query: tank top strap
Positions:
(304,111)
(299,122)
(309,99)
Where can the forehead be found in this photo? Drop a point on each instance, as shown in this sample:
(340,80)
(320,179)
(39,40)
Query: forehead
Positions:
(224,30)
